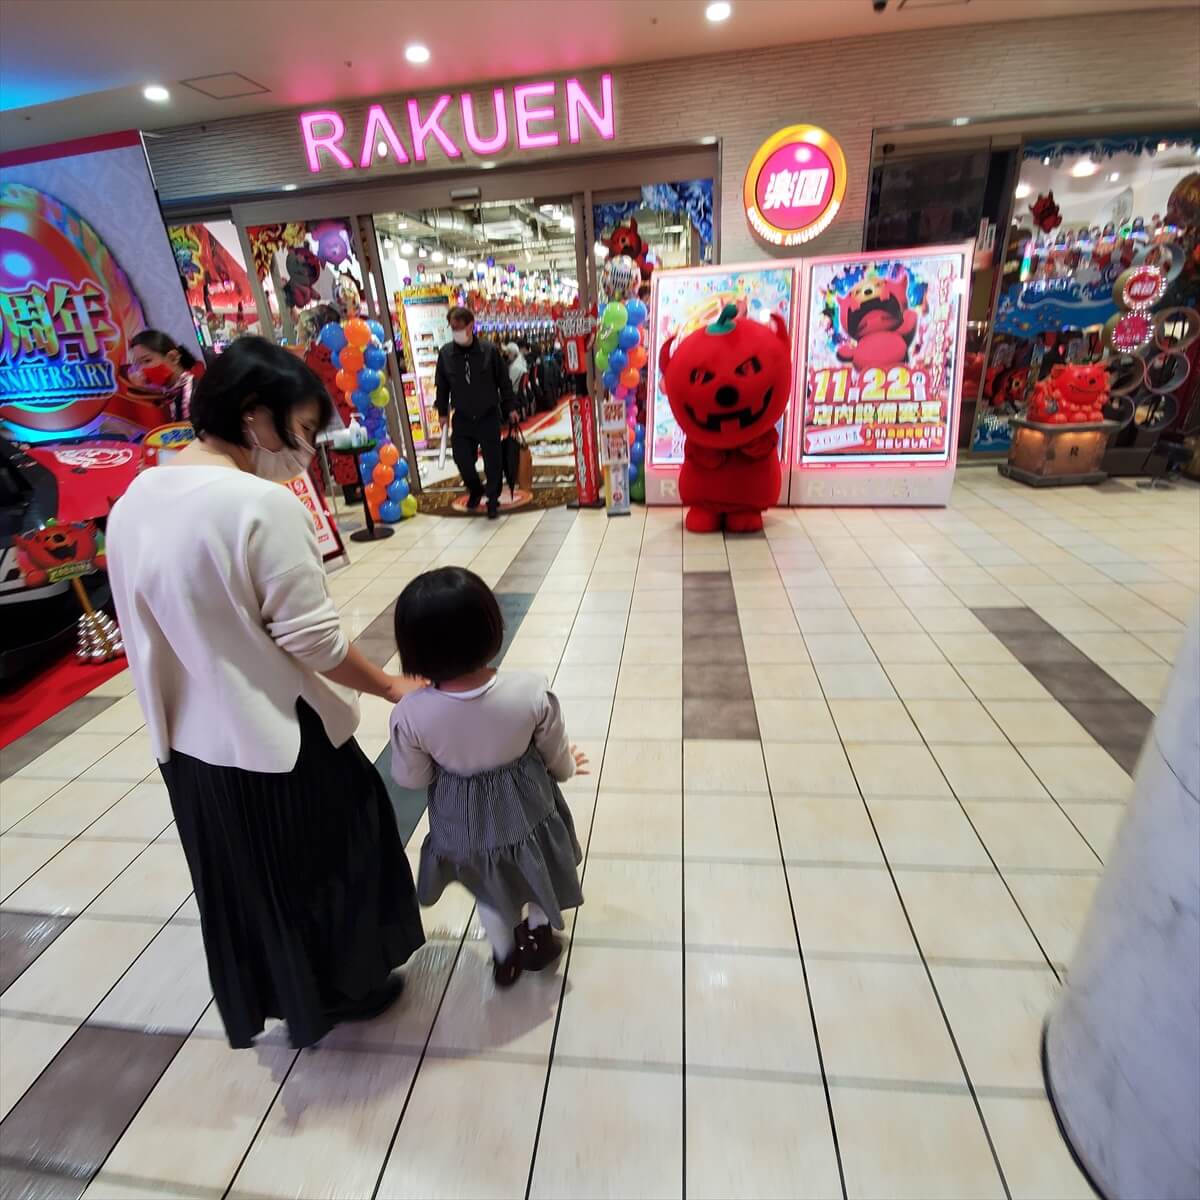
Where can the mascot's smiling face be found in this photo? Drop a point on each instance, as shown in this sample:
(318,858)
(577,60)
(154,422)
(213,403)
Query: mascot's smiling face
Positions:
(728,383)
(874,305)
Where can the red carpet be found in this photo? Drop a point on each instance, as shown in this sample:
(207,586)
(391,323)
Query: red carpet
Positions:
(48,692)
(541,420)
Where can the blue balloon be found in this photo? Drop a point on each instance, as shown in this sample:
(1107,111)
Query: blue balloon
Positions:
(618,360)
(336,356)
(397,489)
(633,472)
(369,380)
(377,331)
(361,400)
(635,311)
(629,336)
(367,464)
(610,380)
(640,431)
(333,336)
(375,357)
(401,469)
(389,511)
(637,453)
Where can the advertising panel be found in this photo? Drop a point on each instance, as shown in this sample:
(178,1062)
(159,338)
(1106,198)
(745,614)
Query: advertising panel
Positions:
(423,310)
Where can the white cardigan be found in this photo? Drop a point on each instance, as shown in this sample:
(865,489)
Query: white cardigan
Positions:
(226,616)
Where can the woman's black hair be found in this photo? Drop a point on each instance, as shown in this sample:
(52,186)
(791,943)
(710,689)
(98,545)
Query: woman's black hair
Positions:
(447,624)
(253,372)
(162,343)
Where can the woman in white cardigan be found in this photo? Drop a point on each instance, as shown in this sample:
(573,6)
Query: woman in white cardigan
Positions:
(249,686)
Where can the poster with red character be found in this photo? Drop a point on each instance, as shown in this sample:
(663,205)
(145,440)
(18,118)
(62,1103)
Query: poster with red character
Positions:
(881,362)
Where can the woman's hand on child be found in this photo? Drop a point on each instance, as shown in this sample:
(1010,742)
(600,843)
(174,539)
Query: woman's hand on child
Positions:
(400,686)
(581,761)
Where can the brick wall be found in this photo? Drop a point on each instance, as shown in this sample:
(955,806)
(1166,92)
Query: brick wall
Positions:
(1147,60)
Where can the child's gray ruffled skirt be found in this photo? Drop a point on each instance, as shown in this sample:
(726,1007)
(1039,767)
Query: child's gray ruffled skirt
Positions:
(507,836)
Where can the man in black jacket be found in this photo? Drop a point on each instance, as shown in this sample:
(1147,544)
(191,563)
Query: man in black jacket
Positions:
(473,379)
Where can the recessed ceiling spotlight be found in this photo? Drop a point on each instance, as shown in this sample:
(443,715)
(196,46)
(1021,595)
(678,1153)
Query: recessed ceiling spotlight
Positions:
(290,187)
(156,92)
(382,149)
(1085,167)
(406,247)
(417,54)
(961,121)
(438,256)
(719,10)
(1114,177)
(1023,190)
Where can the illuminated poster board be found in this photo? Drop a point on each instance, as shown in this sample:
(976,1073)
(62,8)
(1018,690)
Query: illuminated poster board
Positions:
(423,312)
(85,265)
(681,302)
(879,372)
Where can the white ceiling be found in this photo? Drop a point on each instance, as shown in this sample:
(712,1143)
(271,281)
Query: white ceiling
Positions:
(73,68)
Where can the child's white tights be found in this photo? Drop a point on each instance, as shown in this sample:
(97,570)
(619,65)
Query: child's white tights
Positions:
(500,933)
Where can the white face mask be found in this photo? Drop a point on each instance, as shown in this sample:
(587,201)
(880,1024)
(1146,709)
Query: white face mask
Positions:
(280,465)
(461,336)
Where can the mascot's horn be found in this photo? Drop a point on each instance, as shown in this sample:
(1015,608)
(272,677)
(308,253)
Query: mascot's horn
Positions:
(664,355)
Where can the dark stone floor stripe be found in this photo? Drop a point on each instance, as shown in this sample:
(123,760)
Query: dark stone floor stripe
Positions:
(48,734)
(718,702)
(23,936)
(67,1123)
(1115,718)
(19,1183)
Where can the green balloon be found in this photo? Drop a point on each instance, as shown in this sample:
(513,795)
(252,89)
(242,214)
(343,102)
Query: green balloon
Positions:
(601,359)
(606,339)
(615,316)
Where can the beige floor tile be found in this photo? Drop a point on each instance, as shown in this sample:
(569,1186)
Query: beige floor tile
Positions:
(819,769)
(73,878)
(814,622)
(23,857)
(125,716)
(1030,835)
(826,648)
(759,1140)
(650,622)
(873,721)
(896,770)
(71,756)
(1034,723)
(880,1021)
(624,1004)
(73,973)
(817,829)
(641,682)
(1037,1164)
(1099,824)
(1079,772)
(997,1015)
(166,990)
(748,1012)
(1056,906)
(966,915)
(19,796)
(327,1134)
(142,813)
(720,825)
(913,1146)
(132,759)
(910,647)
(638,823)
(859,598)
(662,650)
(950,620)
(851,910)
(71,810)
(772,623)
(784,681)
(631,900)
(590,719)
(200,1118)
(921,681)
(737,905)
(988,773)
(642,766)
(1112,648)
(874,621)
(724,767)
(855,681)
(786,648)
(795,721)
(155,884)
(592,651)
(926,833)
(610,1133)
(26,1048)
(974,648)
(954,721)
(990,681)
(485,1151)
(587,682)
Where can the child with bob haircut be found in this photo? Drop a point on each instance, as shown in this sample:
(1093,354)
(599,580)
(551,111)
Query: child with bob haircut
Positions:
(492,749)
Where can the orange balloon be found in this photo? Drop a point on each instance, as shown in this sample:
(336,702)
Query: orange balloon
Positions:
(351,359)
(357,333)
(346,381)
(637,357)
(374,511)
(376,493)
(383,474)
(630,377)
(388,454)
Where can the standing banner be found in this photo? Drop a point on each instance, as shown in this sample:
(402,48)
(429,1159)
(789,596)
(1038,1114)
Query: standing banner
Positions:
(422,311)
(587,460)
(615,434)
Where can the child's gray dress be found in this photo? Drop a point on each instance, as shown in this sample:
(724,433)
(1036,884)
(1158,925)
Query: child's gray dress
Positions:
(498,823)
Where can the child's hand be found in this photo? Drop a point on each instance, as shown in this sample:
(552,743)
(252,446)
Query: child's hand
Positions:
(581,761)
(400,686)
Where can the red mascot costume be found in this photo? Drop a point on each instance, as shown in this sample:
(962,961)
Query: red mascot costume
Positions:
(728,385)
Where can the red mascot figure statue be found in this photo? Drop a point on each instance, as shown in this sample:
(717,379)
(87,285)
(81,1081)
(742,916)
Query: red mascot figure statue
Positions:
(728,385)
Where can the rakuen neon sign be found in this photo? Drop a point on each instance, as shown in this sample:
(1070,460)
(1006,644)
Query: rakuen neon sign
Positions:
(535,109)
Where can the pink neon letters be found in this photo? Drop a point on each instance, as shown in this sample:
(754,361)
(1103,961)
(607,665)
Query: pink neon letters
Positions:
(532,106)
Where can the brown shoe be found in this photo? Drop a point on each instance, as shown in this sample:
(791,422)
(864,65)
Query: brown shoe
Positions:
(538,947)
(507,973)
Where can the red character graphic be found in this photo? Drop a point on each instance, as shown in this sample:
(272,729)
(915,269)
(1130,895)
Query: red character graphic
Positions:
(876,318)
(52,551)
(1045,213)
(728,385)
(625,239)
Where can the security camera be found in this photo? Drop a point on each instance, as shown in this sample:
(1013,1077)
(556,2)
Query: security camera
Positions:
(879,5)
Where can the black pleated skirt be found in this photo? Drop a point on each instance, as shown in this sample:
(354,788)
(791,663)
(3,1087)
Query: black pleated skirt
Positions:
(306,897)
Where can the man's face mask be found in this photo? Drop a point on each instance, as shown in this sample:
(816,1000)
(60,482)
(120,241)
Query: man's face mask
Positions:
(462,336)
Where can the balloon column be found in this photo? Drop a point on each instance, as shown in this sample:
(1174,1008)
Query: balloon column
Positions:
(361,360)
(620,359)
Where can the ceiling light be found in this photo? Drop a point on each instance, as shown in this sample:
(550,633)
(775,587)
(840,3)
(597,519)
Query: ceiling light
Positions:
(718,11)
(961,121)
(388,245)
(1084,167)
(157,93)
(1162,146)
(708,141)
(1114,177)
(1046,161)
(381,149)
(406,247)
(438,256)
(601,250)
(422,253)
(417,54)
(1023,190)
(487,165)
(566,222)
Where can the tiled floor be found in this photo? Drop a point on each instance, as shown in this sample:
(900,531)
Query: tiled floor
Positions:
(854,783)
